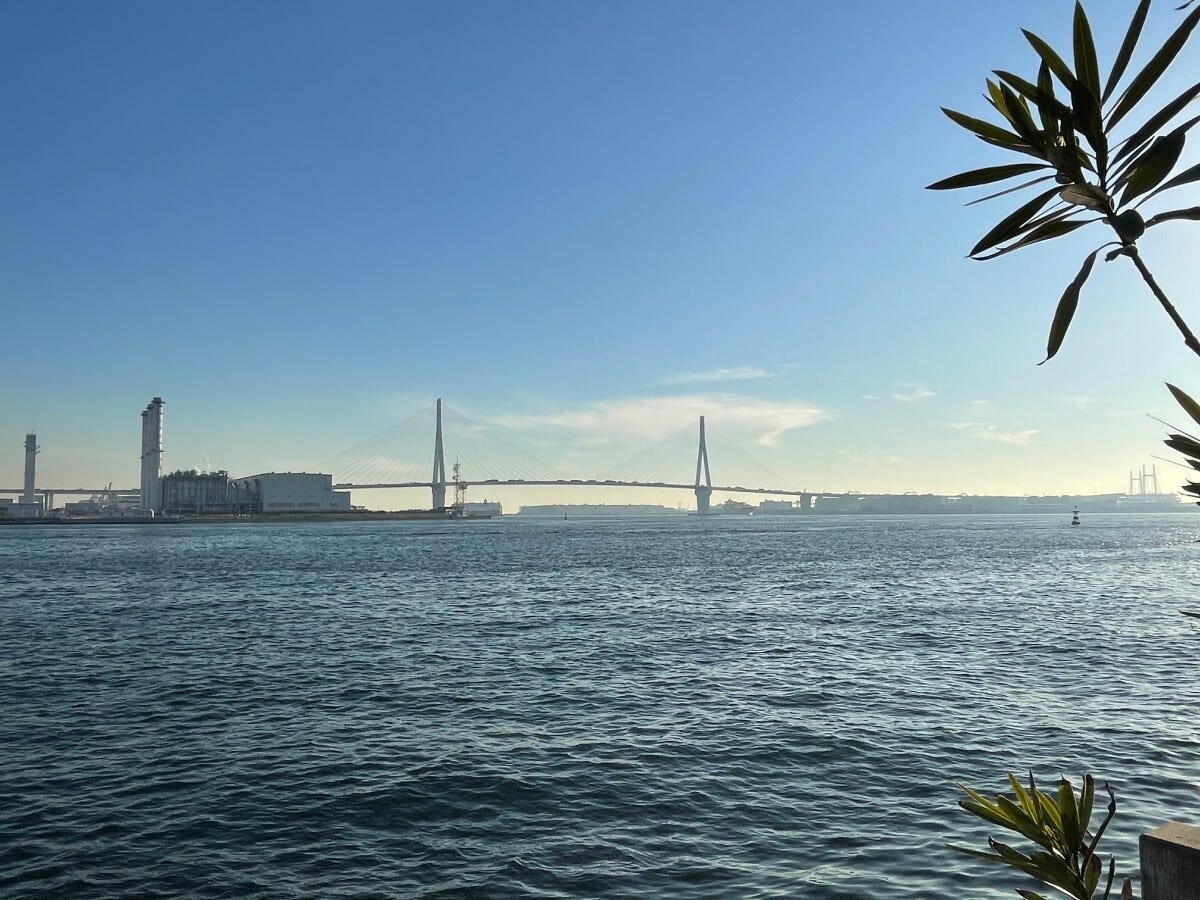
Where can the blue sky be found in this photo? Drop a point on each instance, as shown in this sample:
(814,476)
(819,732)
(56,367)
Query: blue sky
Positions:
(300,222)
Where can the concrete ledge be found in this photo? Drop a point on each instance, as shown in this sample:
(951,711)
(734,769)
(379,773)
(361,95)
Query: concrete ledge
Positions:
(1171,863)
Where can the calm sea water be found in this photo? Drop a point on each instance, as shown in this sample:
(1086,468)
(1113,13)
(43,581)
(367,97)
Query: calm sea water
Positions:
(668,707)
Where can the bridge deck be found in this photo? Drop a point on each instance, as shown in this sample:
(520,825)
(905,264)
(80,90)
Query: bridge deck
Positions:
(576,482)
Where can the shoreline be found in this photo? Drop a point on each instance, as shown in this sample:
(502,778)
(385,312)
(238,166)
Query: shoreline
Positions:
(261,518)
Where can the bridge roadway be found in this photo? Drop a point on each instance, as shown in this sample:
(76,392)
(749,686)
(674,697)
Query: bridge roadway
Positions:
(493,482)
(575,482)
(88,491)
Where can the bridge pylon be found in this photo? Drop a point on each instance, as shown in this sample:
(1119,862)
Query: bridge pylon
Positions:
(439,463)
(703,489)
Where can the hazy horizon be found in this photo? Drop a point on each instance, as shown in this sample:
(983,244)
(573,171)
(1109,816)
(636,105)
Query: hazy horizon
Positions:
(299,224)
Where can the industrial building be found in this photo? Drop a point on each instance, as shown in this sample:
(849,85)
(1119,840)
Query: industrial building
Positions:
(195,493)
(480,508)
(275,492)
(181,493)
(107,505)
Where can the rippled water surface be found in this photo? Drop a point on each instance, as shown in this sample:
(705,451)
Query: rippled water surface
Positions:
(670,707)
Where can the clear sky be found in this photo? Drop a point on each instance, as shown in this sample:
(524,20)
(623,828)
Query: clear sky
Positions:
(300,222)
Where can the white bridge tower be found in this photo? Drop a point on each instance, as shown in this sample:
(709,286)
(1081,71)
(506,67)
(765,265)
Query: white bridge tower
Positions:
(703,490)
(439,464)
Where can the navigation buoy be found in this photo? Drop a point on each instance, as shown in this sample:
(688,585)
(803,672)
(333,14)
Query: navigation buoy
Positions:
(1075,516)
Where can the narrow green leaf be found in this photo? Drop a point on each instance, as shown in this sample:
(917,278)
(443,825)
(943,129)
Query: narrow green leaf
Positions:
(1015,148)
(1022,796)
(1087,69)
(1153,166)
(973,794)
(984,129)
(1088,120)
(1013,857)
(978,854)
(993,96)
(1187,176)
(1033,792)
(1022,823)
(1055,872)
(1155,122)
(1184,444)
(988,813)
(1190,406)
(1158,64)
(1044,232)
(1016,187)
(1192,213)
(1051,108)
(1012,224)
(986,175)
(1121,174)
(1127,47)
(1067,305)
(1068,809)
(1052,59)
(1091,875)
(1018,115)
(1087,796)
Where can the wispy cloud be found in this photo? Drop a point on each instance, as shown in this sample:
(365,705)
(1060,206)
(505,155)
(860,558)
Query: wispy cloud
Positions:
(869,459)
(912,393)
(987,432)
(1082,402)
(733,373)
(979,403)
(870,396)
(652,418)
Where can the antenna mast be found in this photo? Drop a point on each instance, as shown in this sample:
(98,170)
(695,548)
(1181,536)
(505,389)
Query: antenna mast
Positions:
(460,487)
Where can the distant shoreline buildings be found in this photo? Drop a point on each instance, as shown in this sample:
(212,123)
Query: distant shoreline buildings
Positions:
(884,504)
(181,493)
(195,494)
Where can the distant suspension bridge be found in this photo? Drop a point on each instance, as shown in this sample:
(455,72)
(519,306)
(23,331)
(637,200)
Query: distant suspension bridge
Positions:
(372,460)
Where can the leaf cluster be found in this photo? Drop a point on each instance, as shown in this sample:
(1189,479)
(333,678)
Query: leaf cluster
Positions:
(1064,124)
(1058,823)
(1185,443)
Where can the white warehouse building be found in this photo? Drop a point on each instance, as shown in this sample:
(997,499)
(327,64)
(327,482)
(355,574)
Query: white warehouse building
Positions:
(294,492)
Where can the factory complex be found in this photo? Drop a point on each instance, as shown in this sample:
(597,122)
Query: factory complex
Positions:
(195,493)
(179,494)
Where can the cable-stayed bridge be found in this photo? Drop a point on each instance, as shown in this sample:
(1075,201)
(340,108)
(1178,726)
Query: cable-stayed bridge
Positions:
(405,457)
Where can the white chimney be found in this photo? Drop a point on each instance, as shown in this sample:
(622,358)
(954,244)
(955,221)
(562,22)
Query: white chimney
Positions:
(31,451)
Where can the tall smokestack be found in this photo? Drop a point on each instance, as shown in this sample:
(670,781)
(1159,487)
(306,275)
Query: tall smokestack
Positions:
(144,483)
(155,451)
(31,451)
(152,449)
